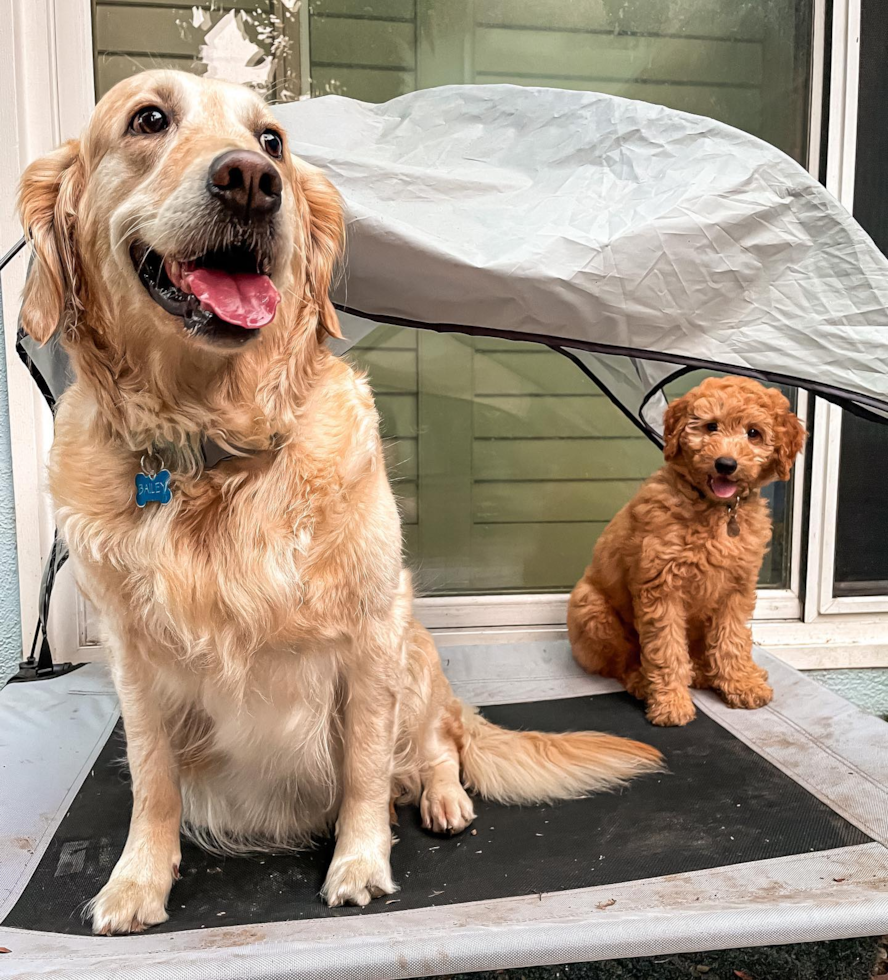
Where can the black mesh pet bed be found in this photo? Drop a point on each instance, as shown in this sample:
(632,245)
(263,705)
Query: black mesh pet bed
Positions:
(769,827)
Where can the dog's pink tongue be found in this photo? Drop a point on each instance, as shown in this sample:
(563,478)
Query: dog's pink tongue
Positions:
(722,487)
(244,298)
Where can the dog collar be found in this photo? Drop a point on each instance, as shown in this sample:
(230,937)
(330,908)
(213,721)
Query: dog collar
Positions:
(733,526)
(731,506)
(153,478)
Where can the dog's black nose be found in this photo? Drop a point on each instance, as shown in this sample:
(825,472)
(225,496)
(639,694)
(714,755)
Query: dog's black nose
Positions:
(246,183)
(725,465)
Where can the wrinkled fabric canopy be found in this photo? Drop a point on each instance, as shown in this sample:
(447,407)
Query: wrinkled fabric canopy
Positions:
(602,225)
(638,240)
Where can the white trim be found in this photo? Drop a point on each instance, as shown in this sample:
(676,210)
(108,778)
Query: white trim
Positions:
(831,643)
(46,76)
(834,642)
(483,611)
(817,529)
(304,51)
(75,66)
(844,86)
(815,107)
(45,68)
(868,604)
(773,604)
(829,436)
(491,611)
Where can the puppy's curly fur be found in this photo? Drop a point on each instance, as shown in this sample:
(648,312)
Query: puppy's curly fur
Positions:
(665,602)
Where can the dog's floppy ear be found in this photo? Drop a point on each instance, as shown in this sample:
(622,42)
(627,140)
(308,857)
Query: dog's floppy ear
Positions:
(674,421)
(789,438)
(48,195)
(325,233)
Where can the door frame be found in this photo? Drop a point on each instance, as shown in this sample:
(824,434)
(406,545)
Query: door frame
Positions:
(46,75)
(822,601)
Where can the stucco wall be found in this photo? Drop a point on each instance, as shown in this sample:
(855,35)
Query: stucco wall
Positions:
(10,614)
(868,689)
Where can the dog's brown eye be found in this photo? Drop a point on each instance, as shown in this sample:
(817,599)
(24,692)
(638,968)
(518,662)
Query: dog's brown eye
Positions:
(149,121)
(272,144)
(754,434)
(712,426)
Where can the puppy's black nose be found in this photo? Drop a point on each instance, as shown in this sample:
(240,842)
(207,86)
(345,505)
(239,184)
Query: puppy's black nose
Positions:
(245,183)
(725,465)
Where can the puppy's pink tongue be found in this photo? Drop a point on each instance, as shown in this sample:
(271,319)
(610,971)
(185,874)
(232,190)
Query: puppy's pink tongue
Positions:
(244,298)
(722,487)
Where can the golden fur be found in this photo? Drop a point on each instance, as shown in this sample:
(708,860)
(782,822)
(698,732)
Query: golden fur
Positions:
(665,602)
(272,681)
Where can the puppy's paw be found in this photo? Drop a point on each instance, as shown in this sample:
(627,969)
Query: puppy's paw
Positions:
(755,695)
(673,709)
(636,685)
(446,809)
(128,904)
(355,879)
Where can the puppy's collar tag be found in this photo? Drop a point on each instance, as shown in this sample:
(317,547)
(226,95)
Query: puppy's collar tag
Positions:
(733,525)
(153,482)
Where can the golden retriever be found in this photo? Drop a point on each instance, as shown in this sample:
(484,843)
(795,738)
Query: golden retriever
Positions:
(665,602)
(273,683)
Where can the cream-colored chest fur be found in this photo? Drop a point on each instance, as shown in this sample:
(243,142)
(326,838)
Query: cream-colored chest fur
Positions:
(263,765)
(281,547)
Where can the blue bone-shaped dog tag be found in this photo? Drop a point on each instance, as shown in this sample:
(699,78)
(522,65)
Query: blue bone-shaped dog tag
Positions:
(155,487)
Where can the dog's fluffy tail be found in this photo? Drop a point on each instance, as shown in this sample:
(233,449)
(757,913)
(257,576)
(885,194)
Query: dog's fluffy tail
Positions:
(536,767)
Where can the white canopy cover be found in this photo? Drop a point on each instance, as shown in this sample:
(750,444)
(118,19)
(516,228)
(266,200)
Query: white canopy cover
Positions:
(603,226)
(636,239)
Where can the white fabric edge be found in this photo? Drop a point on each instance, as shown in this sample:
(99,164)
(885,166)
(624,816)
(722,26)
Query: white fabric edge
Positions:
(513,673)
(83,706)
(791,899)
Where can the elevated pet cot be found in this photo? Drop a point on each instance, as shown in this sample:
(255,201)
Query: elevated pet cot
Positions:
(641,243)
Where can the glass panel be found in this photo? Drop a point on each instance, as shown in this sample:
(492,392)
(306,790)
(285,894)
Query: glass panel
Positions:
(507,460)
(745,62)
(861,558)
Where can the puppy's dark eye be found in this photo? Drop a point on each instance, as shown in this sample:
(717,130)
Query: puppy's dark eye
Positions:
(712,426)
(272,144)
(149,121)
(754,434)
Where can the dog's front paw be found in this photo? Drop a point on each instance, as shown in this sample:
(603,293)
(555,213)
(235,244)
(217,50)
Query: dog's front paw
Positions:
(355,879)
(128,904)
(755,695)
(672,709)
(446,809)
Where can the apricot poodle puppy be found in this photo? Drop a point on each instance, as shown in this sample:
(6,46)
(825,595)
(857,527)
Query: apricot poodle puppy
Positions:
(664,605)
